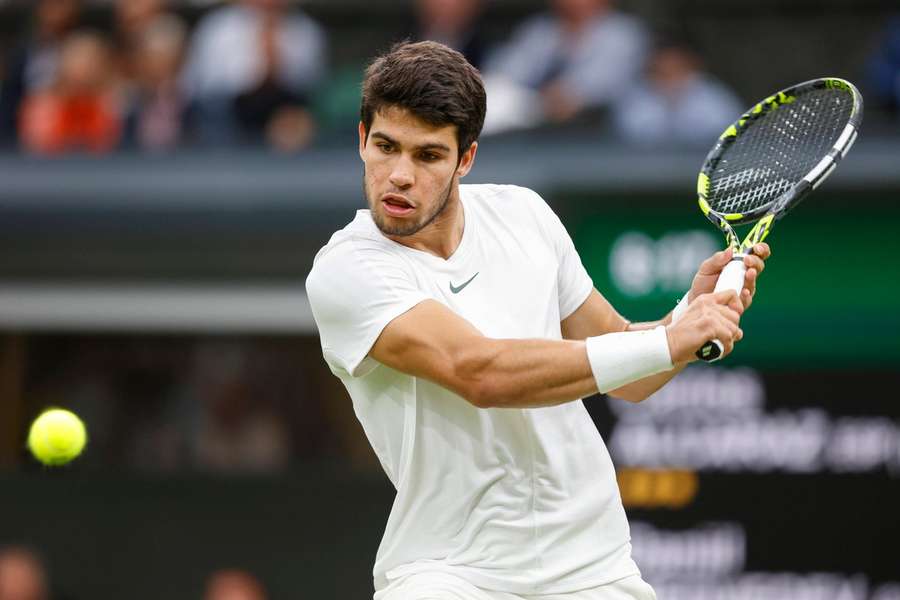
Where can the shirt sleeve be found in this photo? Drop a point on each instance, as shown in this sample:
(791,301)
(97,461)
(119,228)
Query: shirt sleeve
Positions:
(355,289)
(573,282)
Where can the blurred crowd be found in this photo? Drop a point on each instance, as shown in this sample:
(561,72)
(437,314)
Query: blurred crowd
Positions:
(210,404)
(25,576)
(256,72)
(243,74)
(251,71)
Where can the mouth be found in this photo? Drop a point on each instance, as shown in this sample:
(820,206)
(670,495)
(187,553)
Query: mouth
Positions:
(396,205)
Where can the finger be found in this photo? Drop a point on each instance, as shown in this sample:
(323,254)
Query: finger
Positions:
(734,333)
(736,305)
(724,297)
(750,278)
(726,336)
(754,262)
(715,263)
(762,250)
(731,315)
(749,287)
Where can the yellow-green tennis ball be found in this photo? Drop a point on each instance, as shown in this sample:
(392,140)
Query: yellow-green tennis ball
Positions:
(56,437)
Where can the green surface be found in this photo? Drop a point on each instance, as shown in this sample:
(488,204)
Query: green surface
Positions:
(830,293)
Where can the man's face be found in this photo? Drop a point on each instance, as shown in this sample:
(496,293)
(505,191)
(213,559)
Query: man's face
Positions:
(411,170)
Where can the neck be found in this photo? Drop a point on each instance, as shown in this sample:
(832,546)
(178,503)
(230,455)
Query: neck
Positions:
(442,236)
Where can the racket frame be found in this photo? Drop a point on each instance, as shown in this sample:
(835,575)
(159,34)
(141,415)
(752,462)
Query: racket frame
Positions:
(764,216)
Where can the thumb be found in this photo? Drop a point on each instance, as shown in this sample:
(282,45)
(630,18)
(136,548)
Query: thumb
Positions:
(715,263)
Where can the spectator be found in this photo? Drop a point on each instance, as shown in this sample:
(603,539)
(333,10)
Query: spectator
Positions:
(580,56)
(31,66)
(78,112)
(676,103)
(157,109)
(884,67)
(132,19)
(453,23)
(22,576)
(233,584)
(251,70)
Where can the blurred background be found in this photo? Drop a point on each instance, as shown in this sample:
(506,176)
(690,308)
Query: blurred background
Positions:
(169,168)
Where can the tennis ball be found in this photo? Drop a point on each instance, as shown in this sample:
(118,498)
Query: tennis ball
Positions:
(56,437)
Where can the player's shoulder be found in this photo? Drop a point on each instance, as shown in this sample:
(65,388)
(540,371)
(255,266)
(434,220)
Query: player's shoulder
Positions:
(357,242)
(503,196)
(512,203)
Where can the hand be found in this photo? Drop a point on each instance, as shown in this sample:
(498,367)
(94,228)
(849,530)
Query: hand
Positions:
(708,273)
(708,317)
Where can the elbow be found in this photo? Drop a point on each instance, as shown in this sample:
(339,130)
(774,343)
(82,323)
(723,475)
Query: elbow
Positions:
(482,394)
(476,381)
(476,397)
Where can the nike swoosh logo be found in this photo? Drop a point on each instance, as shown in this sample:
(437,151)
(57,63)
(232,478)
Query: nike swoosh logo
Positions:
(457,290)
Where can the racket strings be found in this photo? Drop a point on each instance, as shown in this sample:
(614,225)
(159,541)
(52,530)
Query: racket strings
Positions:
(777,150)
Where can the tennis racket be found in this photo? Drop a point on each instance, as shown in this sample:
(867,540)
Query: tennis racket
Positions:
(770,159)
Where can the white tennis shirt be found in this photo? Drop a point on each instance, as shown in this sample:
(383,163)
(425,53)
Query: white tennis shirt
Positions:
(523,501)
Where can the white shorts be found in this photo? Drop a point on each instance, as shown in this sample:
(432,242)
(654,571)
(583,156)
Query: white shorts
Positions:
(442,586)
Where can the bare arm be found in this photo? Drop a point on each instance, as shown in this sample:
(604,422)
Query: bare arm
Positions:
(597,317)
(433,342)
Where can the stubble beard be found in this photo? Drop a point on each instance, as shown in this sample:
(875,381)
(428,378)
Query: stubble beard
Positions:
(406,229)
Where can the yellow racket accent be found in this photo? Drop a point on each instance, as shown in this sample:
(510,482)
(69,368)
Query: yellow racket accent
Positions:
(758,233)
(702,191)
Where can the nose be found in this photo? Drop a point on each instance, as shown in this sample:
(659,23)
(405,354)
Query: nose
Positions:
(402,173)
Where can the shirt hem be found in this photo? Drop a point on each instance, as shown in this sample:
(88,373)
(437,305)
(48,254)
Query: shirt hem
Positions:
(499,584)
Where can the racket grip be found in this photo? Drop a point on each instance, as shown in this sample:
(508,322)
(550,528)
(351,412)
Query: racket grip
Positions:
(731,278)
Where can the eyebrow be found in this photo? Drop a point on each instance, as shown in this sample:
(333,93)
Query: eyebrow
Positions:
(428,146)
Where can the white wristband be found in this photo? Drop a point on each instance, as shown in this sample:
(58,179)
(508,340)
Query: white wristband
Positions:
(620,358)
(681,307)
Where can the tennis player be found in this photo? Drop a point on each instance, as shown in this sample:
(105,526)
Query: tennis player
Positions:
(465,328)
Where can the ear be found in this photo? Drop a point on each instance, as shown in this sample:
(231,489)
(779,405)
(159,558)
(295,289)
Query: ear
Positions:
(362,139)
(467,160)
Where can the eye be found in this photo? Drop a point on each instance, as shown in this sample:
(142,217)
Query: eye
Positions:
(384,147)
(430,156)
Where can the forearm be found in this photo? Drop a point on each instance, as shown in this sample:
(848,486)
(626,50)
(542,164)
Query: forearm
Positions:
(525,373)
(645,325)
(530,373)
(643,388)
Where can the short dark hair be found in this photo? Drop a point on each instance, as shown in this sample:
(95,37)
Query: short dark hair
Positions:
(435,83)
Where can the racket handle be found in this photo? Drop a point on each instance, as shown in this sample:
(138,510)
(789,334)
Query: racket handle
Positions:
(731,278)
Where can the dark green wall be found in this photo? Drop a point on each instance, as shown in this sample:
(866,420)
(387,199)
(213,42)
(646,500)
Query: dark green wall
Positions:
(311,534)
(830,294)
